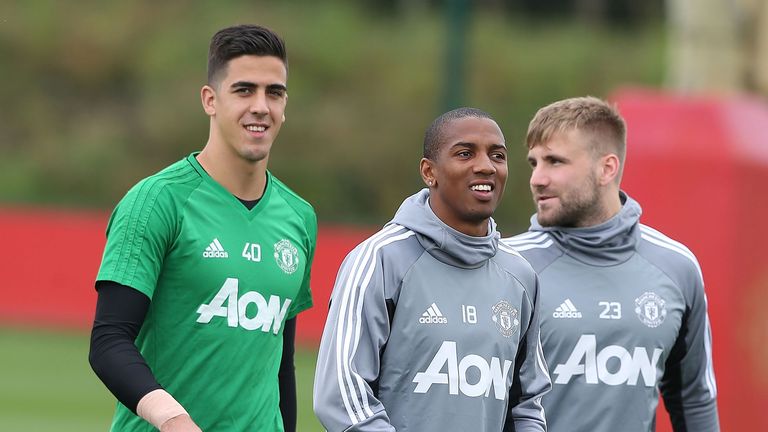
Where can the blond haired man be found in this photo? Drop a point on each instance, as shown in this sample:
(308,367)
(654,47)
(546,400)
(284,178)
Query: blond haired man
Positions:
(623,310)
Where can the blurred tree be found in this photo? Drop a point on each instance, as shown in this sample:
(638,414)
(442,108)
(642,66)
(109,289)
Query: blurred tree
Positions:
(617,13)
(756,46)
(705,52)
(457,19)
(718,45)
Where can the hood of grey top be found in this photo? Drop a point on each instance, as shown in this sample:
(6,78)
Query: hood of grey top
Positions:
(609,243)
(444,243)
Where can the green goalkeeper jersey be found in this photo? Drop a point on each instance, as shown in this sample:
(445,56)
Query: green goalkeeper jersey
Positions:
(222,281)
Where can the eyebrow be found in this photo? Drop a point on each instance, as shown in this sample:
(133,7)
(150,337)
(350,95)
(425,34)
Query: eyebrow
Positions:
(550,158)
(251,85)
(277,87)
(498,147)
(473,145)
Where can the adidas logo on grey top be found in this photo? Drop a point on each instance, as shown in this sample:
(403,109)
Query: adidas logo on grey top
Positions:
(433,316)
(566,310)
(215,250)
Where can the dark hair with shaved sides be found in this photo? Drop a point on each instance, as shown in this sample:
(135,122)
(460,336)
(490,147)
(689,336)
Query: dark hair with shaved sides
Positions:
(233,42)
(434,135)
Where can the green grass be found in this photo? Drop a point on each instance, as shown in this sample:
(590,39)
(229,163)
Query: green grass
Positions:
(46,384)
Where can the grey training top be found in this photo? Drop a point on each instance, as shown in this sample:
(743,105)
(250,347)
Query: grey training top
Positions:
(431,330)
(623,314)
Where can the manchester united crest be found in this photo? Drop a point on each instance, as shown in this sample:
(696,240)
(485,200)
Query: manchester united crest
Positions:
(287,256)
(651,309)
(506,318)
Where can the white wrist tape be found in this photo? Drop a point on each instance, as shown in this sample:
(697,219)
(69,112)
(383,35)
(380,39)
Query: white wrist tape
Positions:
(158,406)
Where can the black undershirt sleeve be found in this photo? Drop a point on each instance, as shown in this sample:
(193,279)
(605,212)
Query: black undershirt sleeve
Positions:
(287,377)
(120,313)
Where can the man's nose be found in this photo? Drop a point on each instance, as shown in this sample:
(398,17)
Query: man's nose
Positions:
(539,177)
(485,165)
(259,103)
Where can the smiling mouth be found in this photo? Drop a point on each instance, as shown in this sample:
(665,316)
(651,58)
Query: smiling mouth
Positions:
(482,188)
(255,128)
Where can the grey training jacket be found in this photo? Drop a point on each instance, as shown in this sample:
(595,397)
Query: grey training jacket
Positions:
(431,330)
(623,314)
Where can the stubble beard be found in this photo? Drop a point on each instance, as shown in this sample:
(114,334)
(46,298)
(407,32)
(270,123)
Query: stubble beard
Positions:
(576,210)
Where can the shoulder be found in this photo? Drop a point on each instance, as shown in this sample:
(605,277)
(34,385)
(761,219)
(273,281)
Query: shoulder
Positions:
(146,220)
(301,206)
(391,242)
(537,247)
(393,250)
(178,178)
(517,267)
(163,189)
(513,262)
(670,256)
(388,254)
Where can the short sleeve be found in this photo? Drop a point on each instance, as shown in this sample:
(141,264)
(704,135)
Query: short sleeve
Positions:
(140,231)
(304,297)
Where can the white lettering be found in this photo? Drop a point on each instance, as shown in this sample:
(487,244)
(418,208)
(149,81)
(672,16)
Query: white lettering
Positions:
(269,315)
(644,365)
(469,314)
(566,314)
(215,254)
(478,388)
(626,368)
(433,320)
(216,307)
(498,378)
(611,310)
(491,375)
(252,252)
(625,361)
(433,375)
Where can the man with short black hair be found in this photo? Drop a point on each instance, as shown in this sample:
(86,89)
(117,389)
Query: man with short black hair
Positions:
(433,323)
(207,264)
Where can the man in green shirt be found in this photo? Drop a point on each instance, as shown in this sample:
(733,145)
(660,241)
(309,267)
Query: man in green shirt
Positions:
(207,264)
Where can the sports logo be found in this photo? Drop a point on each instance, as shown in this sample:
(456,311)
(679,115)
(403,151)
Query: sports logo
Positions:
(287,256)
(235,308)
(215,250)
(650,309)
(613,364)
(506,318)
(433,315)
(471,375)
(566,310)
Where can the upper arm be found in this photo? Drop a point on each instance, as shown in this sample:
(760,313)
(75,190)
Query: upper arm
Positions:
(355,333)
(140,232)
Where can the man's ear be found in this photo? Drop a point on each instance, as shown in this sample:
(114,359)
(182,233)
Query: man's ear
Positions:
(609,169)
(427,170)
(286,101)
(208,98)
